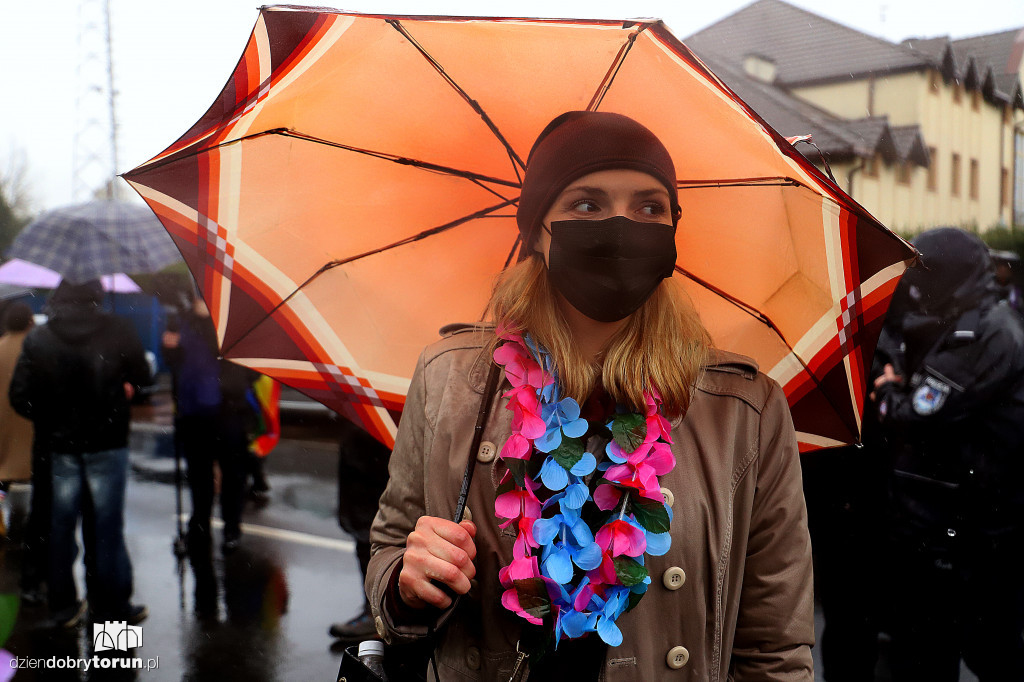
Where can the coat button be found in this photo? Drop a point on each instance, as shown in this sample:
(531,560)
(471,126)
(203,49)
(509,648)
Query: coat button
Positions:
(674,578)
(486,452)
(677,657)
(473,658)
(378,625)
(670,499)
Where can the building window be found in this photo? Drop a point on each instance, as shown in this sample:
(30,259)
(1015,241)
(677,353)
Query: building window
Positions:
(974,179)
(976,100)
(933,169)
(934,81)
(955,187)
(903,173)
(871,167)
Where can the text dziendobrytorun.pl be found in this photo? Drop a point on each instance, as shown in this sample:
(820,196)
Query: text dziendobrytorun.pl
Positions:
(94,663)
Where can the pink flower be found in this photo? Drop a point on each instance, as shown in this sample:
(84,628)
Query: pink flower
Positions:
(519,569)
(517,503)
(607,497)
(510,600)
(521,369)
(524,540)
(605,573)
(621,537)
(661,458)
(516,447)
(525,407)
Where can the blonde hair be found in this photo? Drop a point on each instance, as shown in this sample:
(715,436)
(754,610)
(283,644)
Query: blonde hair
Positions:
(663,346)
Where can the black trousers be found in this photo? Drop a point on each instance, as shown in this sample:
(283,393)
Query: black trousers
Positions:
(37,530)
(963,603)
(846,496)
(205,439)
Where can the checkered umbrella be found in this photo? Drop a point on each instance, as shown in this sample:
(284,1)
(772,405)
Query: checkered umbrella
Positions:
(86,241)
(353,189)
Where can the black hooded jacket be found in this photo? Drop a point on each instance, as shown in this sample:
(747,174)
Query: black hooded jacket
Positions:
(957,421)
(69,380)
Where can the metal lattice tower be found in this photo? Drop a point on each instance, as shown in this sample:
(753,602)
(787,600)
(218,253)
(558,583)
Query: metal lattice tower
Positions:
(95,162)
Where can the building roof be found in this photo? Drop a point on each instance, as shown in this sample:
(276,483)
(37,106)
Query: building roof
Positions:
(807,49)
(988,62)
(1002,51)
(838,139)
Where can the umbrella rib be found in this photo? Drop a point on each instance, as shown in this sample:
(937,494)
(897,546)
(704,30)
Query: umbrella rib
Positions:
(383,156)
(482,213)
(518,162)
(739,182)
(760,316)
(613,70)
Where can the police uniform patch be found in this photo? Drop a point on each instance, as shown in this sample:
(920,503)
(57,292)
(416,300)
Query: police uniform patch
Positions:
(930,396)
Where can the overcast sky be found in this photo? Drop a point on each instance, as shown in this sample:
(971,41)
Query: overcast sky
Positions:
(171,59)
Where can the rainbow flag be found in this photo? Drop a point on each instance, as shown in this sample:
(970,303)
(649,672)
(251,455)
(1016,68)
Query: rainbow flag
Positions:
(265,397)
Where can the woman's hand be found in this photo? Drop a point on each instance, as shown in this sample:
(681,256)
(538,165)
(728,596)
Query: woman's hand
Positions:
(437,550)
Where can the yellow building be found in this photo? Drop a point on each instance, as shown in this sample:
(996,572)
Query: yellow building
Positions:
(921,133)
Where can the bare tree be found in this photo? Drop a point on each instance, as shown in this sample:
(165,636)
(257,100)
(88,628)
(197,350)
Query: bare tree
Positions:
(15,198)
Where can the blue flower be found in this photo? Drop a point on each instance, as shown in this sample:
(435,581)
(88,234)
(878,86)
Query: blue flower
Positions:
(585,466)
(567,540)
(608,610)
(562,417)
(570,621)
(553,475)
(576,496)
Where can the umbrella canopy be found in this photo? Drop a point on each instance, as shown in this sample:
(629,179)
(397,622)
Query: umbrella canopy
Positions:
(9,291)
(353,189)
(25,274)
(86,241)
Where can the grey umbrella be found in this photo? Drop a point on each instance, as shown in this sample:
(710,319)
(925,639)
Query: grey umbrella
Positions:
(86,241)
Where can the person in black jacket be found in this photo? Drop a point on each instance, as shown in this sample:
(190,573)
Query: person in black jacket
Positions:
(362,477)
(213,418)
(75,379)
(955,422)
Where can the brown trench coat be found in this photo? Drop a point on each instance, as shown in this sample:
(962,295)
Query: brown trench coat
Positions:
(15,430)
(732,599)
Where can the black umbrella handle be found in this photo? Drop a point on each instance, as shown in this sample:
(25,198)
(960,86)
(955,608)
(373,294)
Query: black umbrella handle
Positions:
(478,435)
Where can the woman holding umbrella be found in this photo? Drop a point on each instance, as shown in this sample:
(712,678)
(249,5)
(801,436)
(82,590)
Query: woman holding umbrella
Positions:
(637,507)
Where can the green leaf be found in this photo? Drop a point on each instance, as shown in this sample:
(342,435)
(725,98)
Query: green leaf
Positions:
(651,515)
(629,571)
(568,453)
(629,431)
(507,486)
(634,599)
(533,596)
(518,469)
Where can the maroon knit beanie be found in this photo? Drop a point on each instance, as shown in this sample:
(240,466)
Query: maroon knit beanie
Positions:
(580,142)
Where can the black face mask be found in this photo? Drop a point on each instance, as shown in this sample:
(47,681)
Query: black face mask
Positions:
(607,268)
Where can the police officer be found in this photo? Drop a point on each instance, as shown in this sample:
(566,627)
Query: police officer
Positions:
(955,422)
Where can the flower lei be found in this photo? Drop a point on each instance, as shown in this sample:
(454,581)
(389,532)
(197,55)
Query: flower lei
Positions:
(578,558)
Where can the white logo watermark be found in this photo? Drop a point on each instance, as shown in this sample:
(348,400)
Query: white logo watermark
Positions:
(116,635)
(86,664)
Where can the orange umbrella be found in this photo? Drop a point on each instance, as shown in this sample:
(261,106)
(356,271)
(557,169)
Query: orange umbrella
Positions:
(353,189)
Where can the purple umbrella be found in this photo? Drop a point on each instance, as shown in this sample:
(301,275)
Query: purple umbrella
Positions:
(25,274)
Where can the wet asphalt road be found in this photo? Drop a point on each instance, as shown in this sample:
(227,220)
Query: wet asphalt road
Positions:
(259,614)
